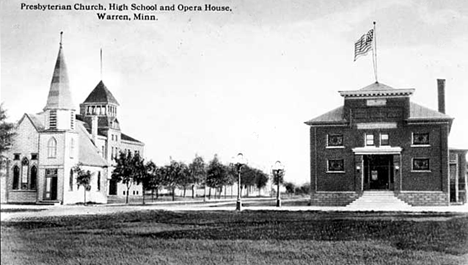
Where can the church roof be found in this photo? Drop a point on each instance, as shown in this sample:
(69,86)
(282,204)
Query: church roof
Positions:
(59,92)
(377,89)
(101,94)
(89,154)
(36,120)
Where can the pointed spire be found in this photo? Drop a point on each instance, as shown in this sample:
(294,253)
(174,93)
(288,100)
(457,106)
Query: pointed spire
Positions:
(59,93)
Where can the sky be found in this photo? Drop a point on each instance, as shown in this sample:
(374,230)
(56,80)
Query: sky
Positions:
(243,80)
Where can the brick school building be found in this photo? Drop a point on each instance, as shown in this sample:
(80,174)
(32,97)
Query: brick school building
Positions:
(380,141)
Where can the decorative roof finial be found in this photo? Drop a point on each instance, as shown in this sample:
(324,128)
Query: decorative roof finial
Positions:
(61,33)
(101,64)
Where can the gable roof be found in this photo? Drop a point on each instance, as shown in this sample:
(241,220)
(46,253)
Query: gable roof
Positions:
(377,89)
(35,120)
(128,138)
(101,94)
(418,112)
(331,117)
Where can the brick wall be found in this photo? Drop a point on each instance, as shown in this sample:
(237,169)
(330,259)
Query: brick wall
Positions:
(415,198)
(333,198)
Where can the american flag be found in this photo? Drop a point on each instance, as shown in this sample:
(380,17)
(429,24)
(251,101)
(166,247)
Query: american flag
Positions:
(364,44)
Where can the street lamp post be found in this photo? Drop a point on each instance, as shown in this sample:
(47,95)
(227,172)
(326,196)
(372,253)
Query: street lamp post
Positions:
(278,171)
(239,163)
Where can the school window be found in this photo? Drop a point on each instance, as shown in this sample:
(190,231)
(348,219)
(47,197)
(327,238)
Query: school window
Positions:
(52,148)
(34,156)
(384,139)
(336,165)
(369,139)
(420,138)
(420,164)
(16,157)
(335,140)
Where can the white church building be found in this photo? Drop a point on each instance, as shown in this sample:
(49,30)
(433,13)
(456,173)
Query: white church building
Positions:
(48,145)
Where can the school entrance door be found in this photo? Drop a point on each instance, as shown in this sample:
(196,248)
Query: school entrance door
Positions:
(378,172)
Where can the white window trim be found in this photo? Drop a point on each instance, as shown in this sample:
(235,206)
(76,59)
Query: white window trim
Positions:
(380,139)
(365,139)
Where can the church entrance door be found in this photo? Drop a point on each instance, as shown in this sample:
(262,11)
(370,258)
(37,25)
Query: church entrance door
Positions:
(50,191)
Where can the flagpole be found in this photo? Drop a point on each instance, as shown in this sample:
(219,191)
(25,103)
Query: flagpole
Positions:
(374,54)
(101,63)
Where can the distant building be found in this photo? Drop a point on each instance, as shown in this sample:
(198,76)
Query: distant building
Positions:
(99,114)
(380,140)
(49,144)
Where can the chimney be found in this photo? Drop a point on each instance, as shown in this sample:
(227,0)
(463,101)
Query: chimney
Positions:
(94,127)
(441,94)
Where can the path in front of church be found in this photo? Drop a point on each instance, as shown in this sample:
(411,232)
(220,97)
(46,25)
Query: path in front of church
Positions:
(18,212)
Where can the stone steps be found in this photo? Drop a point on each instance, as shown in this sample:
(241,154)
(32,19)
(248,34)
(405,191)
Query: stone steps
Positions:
(378,200)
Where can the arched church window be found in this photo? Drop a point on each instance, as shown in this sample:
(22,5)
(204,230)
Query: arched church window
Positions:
(72,147)
(52,148)
(24,173)
(99,181)
(16,175)
(70,183)
(33,183)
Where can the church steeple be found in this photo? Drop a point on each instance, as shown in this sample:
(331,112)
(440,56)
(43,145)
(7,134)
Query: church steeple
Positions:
(59,109)
(59,93)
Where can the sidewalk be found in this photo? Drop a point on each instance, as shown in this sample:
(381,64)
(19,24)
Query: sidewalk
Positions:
(14,211)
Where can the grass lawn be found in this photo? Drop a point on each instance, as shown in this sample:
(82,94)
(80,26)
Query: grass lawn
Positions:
(249,237)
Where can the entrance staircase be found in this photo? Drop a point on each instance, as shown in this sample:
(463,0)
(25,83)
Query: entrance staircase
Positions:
(379,201)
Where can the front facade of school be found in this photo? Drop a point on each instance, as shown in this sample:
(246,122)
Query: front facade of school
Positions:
(381,141)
